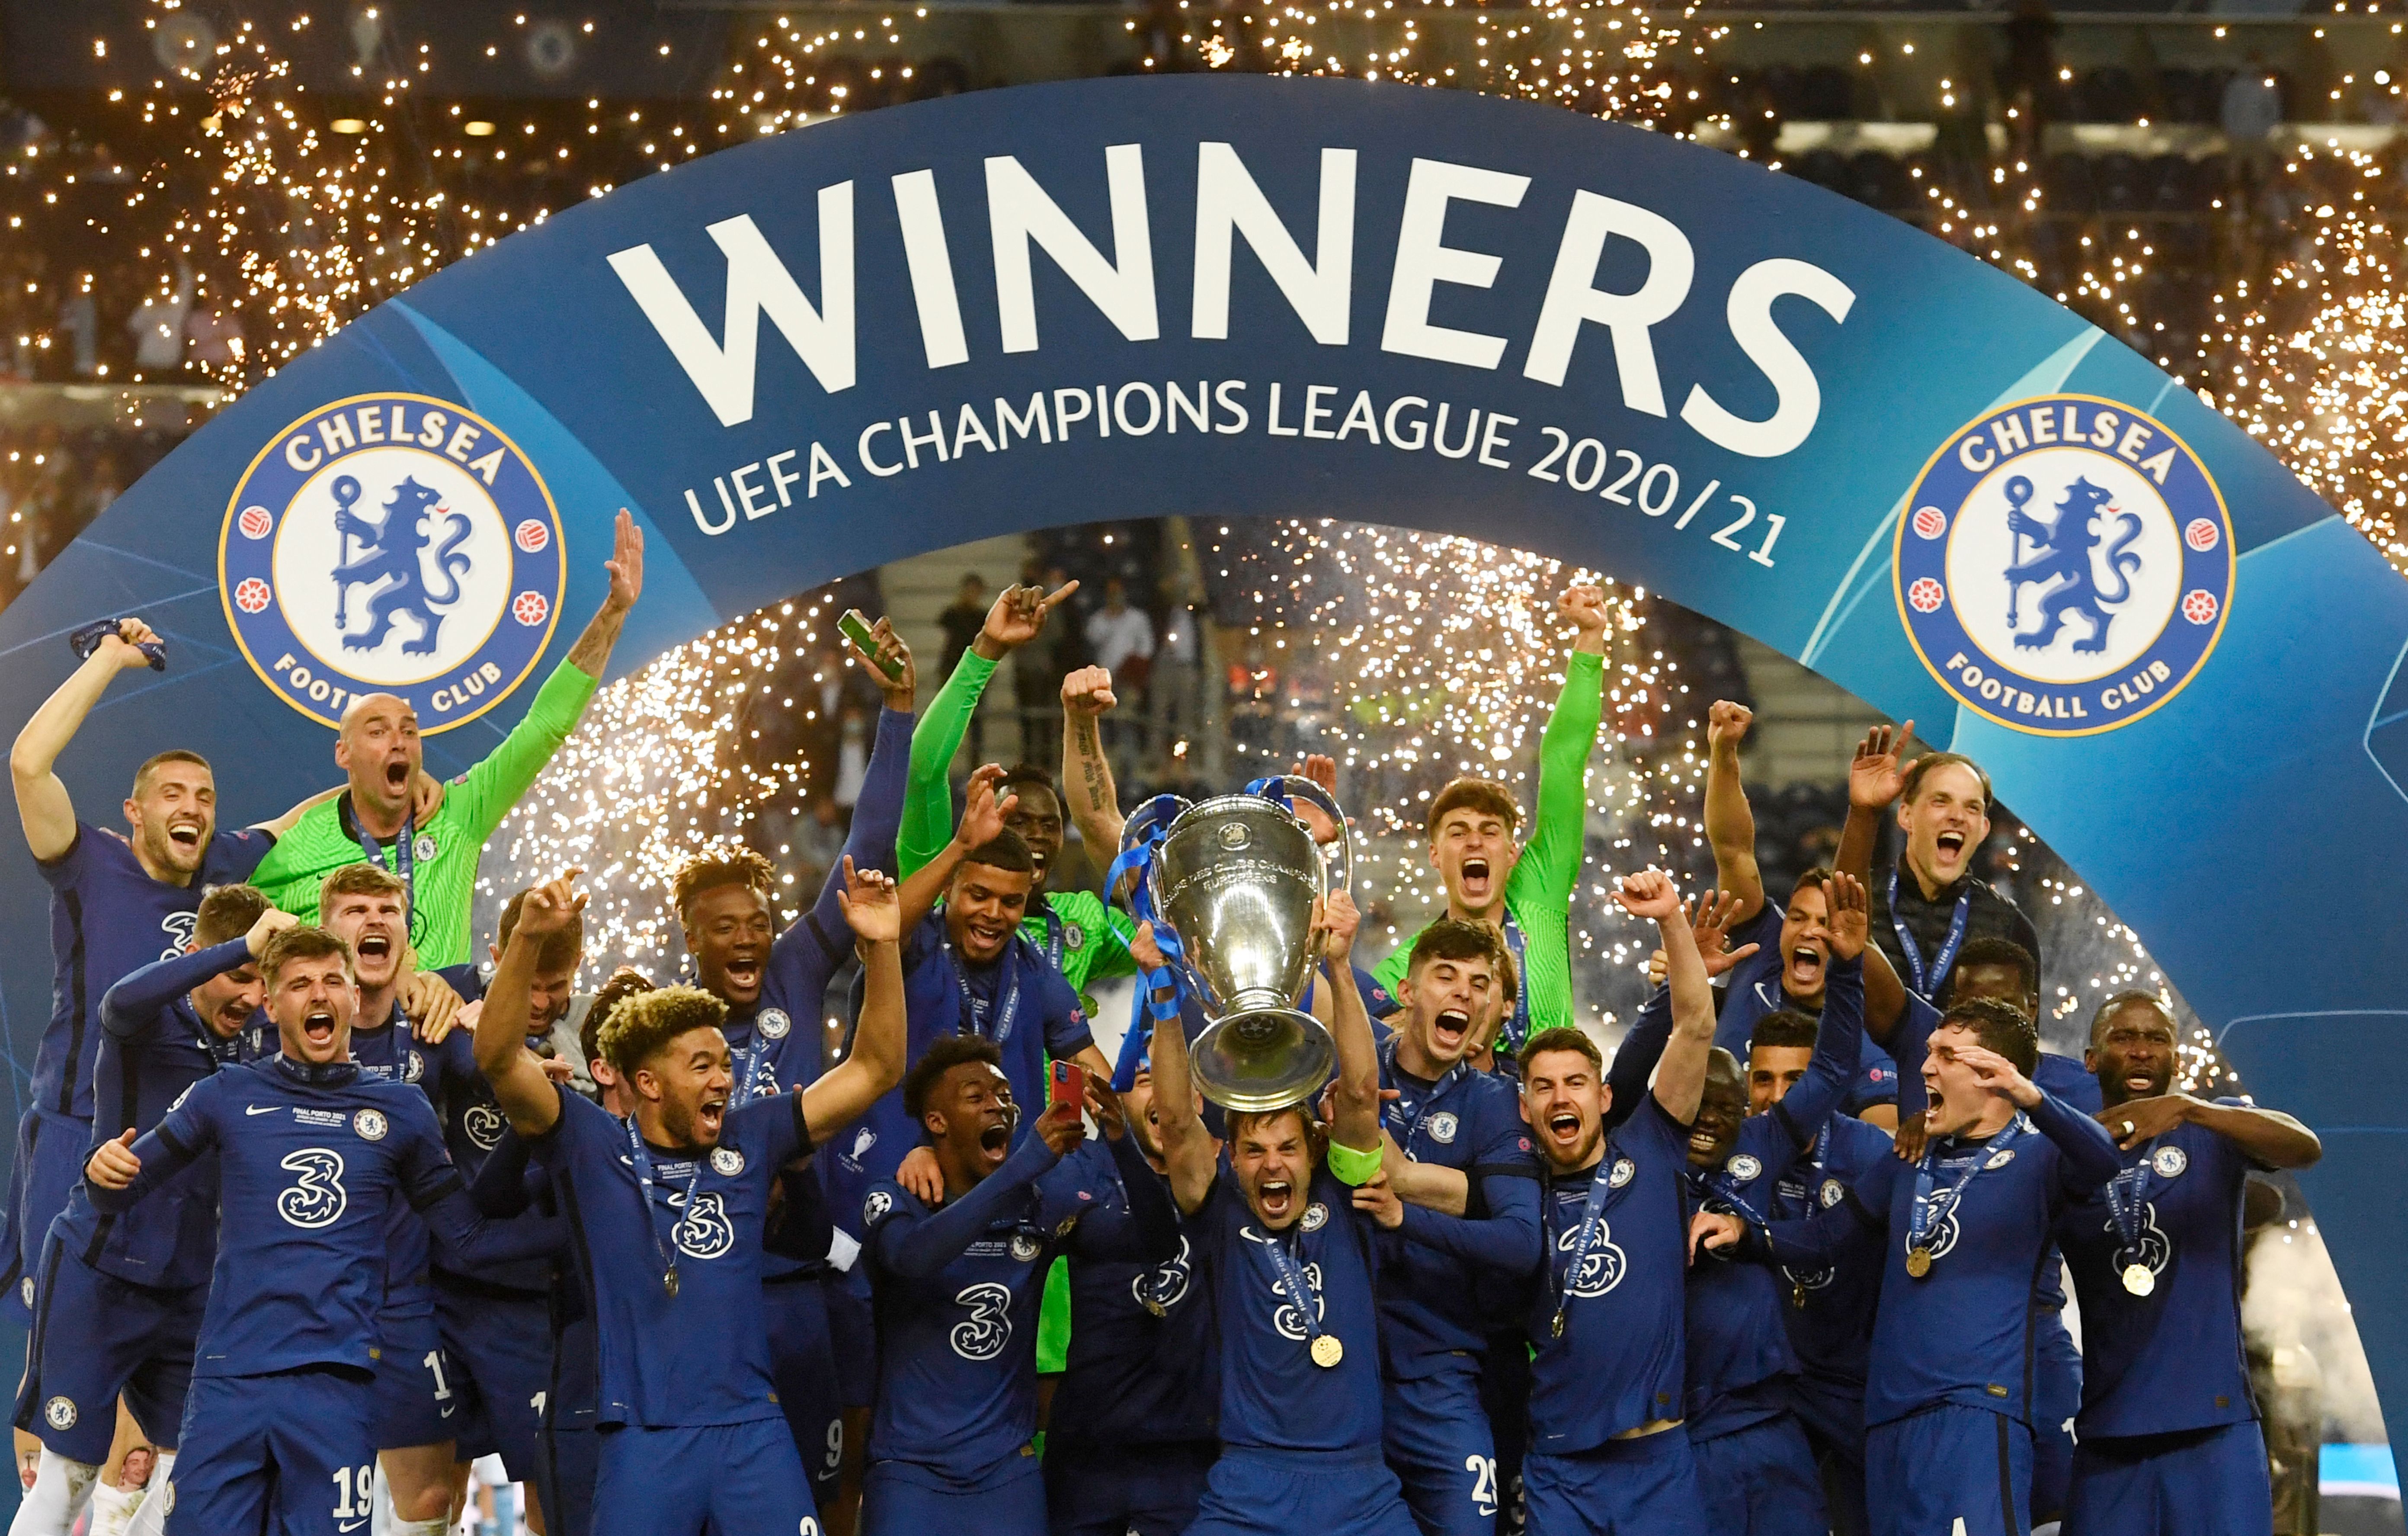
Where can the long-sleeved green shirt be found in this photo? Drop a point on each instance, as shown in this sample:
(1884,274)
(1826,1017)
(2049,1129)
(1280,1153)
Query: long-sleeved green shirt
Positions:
(1078,932)
(444,852)
(1538,892)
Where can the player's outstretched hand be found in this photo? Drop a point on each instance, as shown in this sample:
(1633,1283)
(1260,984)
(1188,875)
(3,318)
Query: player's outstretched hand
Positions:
(1650,893)
(920,1177)
(1876,776)
(981,814)
(1709,918)
(902,689)
(1061,1128)
(112,1164)
(1850,920)
(1019,613)
(2137,1121)
(1727,724)
(1342,920)
(1582,606)
(1323,771)
(271,922)
(1997,1074)
(1375,1199)
(549,907)
(1714,1231)
(1088,692)
(873,903)
(429,1003)
(626,563)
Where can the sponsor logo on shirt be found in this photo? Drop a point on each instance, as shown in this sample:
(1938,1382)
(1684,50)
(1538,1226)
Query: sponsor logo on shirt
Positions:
(1166,1285)
(484,1125)
(704,1231)
(392,543)
(1604,1267)
(982,1335)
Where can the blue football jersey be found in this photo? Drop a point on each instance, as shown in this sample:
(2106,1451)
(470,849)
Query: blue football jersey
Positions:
(1431,1307)
(663,1361)
(2175,1358)
(1829,1307)
(1272,1396)
(1617,1363)
(109,919)
(1142,1368)
(390,1051)
(1019,1001)
(1963,1333)
(1753,989)
(957,1294)
(310,1162)
(152,1049)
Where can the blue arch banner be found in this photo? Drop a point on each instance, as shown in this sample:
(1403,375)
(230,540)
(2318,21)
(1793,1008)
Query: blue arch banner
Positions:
(1240,297)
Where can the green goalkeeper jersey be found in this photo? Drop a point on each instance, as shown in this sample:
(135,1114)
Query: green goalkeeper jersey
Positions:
(1083,937)
(443,853)
(1538,892)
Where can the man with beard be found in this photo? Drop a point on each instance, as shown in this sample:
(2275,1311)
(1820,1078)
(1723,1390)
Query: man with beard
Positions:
(1286,1232)
(313,1156)
(122,1296)
(1931,904)
(2169,1441)
(434,850)
(668,1213)
(1458,1154)
(1754,1465)
(776,989)
(1608,1452)
(1131,1433)
(957,1288)
(367,907)
(1949,1412)
(1525,891)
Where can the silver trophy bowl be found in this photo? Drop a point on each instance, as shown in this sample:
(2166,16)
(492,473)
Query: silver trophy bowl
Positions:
(1236,879)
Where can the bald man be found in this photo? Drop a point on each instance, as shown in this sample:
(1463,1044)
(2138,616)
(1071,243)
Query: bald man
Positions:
(436,855)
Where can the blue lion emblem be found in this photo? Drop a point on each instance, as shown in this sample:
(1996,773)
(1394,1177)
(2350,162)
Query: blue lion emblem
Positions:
(2061,552)
(392,551)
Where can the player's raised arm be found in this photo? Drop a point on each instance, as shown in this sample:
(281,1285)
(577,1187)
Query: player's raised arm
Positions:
(873,910)
(1187,1147)
(1681,1075)
(590,654)
(982,822)
(1087,784)
(43,804)
(1355,1119)
(519,1085)
(1731,824)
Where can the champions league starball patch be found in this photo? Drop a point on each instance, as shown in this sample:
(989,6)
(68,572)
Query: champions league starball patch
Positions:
(2065,564)
(392,543)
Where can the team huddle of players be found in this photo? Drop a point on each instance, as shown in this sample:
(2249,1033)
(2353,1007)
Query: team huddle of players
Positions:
(322,1211)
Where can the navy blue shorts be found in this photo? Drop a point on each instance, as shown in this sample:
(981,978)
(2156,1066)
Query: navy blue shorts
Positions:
(1110,1490)
(415,1403)
(1761,1481)
(898,1498)
(1626,1487)
(731,1479)
(853,1334)
(292,1453)
(2056,1397)
(50,1154)
(1253,1492)
(2200,1483)
(1833,1415)
(566,1488)
(1438,1443)
(96,1336)
(802,1364)
(497,1351)
(1940,1465)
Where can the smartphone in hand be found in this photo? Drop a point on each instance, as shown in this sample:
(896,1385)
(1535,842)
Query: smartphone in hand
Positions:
(1069,1085)
(852,627)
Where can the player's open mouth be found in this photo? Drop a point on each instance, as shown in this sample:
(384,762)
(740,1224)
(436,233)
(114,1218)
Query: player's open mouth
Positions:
(1951,844)
(1475,874)
(375,946)
(1564,1125)
(319,1028)
(396,777)
(1276,1194)
(1706,1137)
(712,1116)
(744,974)
(185,833)
(997,1139)
(2141,1083)
(1450,1027)
(984,940)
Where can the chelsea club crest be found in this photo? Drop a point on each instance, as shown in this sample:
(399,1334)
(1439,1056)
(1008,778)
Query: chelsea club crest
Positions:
(392,543)
(2065,564)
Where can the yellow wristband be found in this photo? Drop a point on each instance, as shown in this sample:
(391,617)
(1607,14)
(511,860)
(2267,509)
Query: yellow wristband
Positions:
(1351,1166)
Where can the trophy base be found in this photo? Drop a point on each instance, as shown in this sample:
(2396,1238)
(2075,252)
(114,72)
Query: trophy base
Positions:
(1263,1058)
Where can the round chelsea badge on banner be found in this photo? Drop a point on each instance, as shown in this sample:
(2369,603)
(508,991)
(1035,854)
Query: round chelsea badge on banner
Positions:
(2065,565)
(392,543)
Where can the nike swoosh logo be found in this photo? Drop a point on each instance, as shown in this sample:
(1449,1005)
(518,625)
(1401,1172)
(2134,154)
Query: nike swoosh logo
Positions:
(350,1524)
(255,1109)
(447,1412)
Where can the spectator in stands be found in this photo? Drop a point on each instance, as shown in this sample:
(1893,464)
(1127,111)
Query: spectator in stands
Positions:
(2030,75)
(1121,639)
(2251,110)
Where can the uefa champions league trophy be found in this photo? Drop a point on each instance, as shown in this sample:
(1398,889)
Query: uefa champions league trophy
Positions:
(1234,879)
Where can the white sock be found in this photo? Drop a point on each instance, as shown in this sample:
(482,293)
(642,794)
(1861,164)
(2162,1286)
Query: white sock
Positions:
(436,1527)
(152,1518)
(112,1509)
(60,1491)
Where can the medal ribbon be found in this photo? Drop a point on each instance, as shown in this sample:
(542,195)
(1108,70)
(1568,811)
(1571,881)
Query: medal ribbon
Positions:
(973,1019)
(1919,1222)
(643,1158)
(1438,1091)
(1057,937)
(1947,959)
(1516,1029)
(1601,1195)
(1292,1281)
(2127,1200)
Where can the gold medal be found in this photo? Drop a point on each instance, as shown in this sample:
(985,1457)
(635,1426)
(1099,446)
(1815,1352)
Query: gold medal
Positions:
(2138,1280)
(1798,1297)
(669,1282)
(1156,1308)
(1327,1351)
(1560,1322)
(1918,1262)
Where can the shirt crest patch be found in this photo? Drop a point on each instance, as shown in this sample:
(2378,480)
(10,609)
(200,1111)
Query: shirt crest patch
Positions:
(1833,1192)
(1744,1166)
(2170,1162)
(2002,1157)
(726,1161)
(1026,1247)
(772,1023)
(1442,1126)
(1316,1215)
(1624,1171)
(370,1125)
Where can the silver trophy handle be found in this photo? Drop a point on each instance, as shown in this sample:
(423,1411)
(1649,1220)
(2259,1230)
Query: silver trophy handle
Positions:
(1296,786)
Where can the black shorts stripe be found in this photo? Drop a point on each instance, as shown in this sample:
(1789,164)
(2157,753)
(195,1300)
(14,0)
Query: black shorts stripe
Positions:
(2006,1474)
(77,992)
(31,1398)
